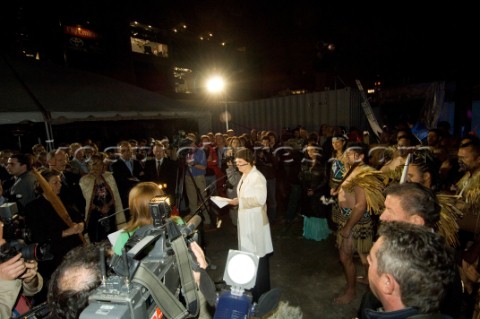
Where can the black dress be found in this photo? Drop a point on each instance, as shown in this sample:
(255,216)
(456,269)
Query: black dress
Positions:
(314,185)
(313,178)
(98,231)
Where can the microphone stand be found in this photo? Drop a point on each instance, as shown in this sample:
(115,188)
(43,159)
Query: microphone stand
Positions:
(108,216)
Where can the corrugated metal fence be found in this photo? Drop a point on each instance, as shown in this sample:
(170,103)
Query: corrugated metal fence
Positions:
(336,107)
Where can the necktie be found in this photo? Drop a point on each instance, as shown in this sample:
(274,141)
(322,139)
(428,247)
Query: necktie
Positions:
(158,168)
(64,180)
(129,165)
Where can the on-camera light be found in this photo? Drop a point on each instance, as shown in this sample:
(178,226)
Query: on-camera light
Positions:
(160,209)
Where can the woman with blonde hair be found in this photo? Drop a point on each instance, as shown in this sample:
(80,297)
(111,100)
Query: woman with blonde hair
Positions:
(138,203)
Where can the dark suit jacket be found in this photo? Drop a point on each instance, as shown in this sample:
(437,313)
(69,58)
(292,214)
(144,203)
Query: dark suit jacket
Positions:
(167,175)
(71,194)
(4,174)
(125,179)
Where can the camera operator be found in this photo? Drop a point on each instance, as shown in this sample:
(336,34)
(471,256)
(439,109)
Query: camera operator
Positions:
(195,183)
(139,199)
(79,275)
(16,275)
(138,202)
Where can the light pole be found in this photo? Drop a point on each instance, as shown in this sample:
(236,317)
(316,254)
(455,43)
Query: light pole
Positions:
(216,85)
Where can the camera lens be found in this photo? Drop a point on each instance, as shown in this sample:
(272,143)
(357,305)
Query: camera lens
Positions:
(38,252)
(29,252)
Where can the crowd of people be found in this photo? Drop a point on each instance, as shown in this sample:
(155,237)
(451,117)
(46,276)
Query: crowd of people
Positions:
(408,208)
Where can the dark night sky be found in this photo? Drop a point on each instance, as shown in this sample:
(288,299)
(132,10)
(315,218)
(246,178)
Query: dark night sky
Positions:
(399,42)
(396,41)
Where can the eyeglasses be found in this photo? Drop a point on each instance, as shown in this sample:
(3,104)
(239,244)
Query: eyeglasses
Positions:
(242,164)
(12,163)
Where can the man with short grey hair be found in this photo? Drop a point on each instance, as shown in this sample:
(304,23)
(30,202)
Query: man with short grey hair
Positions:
(410,269)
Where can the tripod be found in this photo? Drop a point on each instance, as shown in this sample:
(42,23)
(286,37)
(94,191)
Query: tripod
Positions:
(183,170)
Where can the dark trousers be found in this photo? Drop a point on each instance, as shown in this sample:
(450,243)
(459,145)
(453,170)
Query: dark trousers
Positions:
(294,200)
(262,283)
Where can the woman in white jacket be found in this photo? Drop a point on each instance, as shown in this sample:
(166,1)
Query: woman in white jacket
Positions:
(253,227)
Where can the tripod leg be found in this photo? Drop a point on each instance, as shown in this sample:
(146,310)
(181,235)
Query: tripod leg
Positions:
(197,201)
(179,190)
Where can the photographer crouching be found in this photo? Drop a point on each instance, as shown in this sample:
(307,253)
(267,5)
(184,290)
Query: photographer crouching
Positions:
(16,275)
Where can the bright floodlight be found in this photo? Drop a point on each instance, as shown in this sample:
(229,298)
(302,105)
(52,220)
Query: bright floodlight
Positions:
(241,270)
(215,84)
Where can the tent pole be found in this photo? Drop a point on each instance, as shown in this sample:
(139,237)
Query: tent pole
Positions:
(45,112)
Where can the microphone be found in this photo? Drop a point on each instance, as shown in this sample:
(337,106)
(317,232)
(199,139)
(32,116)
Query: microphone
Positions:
(214,183)
(108,216)
(191,226)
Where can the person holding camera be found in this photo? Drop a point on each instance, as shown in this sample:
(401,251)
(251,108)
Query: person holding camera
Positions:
(16,275)
(139,203)
(195,183)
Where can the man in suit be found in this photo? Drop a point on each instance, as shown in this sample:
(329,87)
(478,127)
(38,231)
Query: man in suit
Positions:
(161,170)
(127,172)
(70,194)
(21,187)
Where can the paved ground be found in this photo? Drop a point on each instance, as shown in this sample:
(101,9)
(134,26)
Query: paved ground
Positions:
(308,272)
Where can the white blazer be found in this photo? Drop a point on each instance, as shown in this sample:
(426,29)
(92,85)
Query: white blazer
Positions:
(87,184)
(253,227)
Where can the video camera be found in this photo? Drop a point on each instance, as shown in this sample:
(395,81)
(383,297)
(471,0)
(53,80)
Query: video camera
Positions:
(184,149)
(152,275)
(17,236)
(13,224)
(176,140)
(38,252)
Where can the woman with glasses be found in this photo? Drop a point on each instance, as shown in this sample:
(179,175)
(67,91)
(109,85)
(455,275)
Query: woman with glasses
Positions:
(253,227)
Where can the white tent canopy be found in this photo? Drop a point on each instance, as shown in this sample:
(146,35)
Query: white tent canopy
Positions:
(38,91)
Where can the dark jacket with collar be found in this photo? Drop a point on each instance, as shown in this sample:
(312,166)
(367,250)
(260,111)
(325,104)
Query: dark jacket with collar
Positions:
(407,313)
(167,174)
(71,193)
(126,179)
